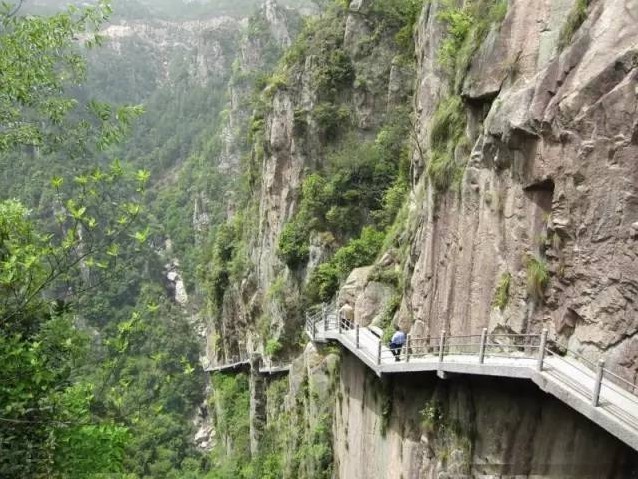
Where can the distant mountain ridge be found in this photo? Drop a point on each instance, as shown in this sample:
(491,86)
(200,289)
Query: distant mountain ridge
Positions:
(169,9)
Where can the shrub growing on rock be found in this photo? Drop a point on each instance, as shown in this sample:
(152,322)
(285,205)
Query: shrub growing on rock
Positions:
(537,277)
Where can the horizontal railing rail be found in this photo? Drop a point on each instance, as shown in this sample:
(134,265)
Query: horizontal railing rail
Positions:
(267,365)
(620,381)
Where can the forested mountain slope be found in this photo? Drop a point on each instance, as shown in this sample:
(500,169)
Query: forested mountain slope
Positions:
(173,9)
(137,321)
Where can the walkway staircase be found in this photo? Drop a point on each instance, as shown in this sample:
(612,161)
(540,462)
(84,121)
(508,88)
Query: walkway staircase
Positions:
(591,389)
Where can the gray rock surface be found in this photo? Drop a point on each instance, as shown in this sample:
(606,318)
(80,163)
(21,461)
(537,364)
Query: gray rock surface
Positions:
(372,302)
(286,156)
(462,428)
(552,175)
(199,43)
(354,286)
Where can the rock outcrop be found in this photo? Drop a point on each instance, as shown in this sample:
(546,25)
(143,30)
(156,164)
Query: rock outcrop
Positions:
(267,34)
(284,152)
(206,46)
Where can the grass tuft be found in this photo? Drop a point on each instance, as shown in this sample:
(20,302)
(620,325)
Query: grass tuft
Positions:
(447,130)
(502,293)
(537,277)
(574,20)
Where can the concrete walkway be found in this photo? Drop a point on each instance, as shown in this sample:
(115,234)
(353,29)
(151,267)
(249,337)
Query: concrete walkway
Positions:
(269,369)
(591,393)
(222,368)
(275,369)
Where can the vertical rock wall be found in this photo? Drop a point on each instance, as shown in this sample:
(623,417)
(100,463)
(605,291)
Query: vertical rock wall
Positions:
(285,155)
(266,35)
(420,427)
(551,175)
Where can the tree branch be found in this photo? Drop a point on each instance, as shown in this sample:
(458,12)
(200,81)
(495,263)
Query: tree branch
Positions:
(15,10)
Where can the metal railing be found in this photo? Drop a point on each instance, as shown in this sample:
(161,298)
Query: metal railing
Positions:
(621,382)
(483,346)
(269,366)
(593,367)
(321,318)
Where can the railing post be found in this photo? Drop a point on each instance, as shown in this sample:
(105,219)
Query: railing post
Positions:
(314,329)
(407,349)
(482,347)
(541,350)
(324,316)
(442,345)
(379,354)
(339,323)
(356,335)
(599,381)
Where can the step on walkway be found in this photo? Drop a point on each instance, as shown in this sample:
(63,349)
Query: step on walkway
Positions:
(589,388)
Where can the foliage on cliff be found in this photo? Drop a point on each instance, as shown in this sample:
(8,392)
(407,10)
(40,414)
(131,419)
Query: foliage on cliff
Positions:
(466,27)
(361,183)
(350,196)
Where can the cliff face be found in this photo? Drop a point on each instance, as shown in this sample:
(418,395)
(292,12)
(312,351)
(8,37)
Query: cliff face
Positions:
(290,139)
(551,175)
(267,34)
(522,215)
(548,179)
(141,57)
(205,45)
(418,426)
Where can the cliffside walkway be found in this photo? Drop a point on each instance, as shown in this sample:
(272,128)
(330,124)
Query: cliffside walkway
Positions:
(227,367)
(591,389)
(268,367)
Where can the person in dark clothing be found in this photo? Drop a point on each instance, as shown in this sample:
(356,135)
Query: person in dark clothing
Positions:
(397,342)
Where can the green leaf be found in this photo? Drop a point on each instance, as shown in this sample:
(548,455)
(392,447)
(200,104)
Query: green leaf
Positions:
(113,250)
(81,180)
(141,236)
(152,307)
(78,213)
(142,176)
(57,182)
(116,168)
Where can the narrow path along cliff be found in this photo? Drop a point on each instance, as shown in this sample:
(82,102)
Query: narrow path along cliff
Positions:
(608,401)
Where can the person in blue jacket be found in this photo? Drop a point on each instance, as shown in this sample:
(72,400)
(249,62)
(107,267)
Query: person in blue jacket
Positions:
(397,342)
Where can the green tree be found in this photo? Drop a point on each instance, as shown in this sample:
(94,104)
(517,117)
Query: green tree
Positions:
(39,62)
(47,426)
